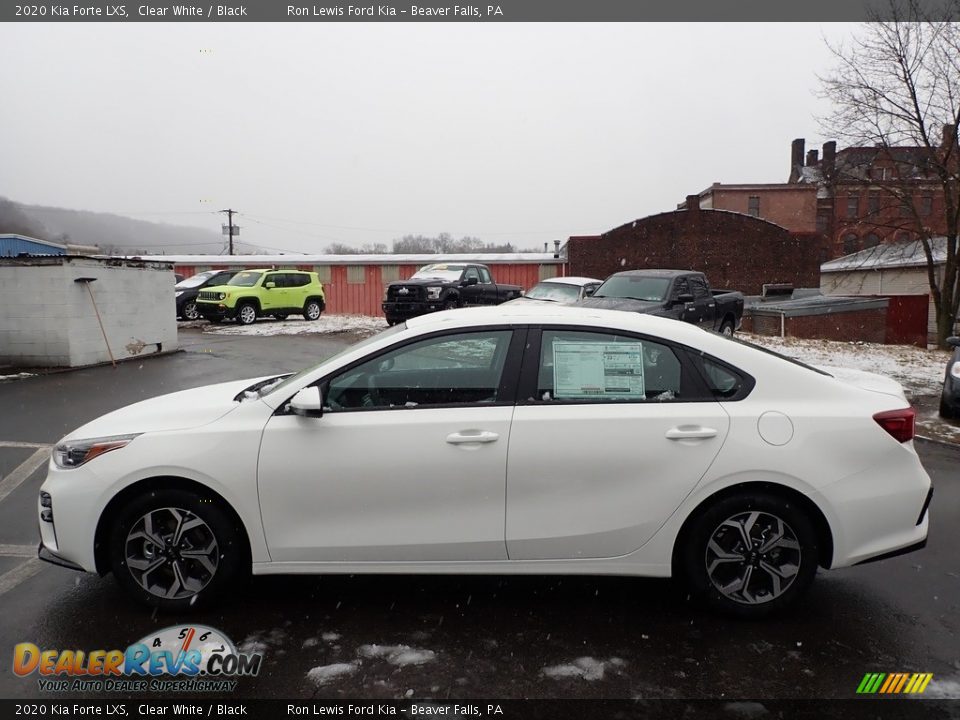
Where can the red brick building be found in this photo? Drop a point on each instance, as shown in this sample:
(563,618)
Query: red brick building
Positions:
(735,250)
(789,205)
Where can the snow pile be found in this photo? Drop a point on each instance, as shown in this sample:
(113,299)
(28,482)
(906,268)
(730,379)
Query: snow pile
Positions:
(327,673)
(399,655)
(327,324)
(585,668)
(15,376)
(919,371)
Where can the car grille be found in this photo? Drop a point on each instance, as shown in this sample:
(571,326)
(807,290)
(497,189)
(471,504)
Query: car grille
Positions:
(207,295)
(405,293)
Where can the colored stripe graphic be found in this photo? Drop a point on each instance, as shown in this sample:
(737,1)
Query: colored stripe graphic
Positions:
(894,683)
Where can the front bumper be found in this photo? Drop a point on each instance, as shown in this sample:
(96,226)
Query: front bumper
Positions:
(216,311)
(404,310)
(43,553)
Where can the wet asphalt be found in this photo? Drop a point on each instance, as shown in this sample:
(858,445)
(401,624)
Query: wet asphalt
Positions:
(503,637)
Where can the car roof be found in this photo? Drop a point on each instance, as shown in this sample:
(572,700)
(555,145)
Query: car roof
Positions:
(658,272)
(570,280)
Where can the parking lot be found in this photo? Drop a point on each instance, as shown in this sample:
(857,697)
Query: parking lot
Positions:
(466,636)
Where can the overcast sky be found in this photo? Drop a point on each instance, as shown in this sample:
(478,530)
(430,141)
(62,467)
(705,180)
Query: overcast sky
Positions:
(363,133)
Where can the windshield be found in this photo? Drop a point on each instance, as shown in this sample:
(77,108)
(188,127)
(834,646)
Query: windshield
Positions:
(245,279)
(440,271)
(196,280)
(270,388)
(634,287)
(554,292)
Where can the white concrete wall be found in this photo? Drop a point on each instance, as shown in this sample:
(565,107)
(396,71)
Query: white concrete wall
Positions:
(48,320)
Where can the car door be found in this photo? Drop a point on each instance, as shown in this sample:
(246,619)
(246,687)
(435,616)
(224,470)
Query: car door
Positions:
(473,293)
(614,432)
(706,306)
(488,287)
(407,462)
(275,298)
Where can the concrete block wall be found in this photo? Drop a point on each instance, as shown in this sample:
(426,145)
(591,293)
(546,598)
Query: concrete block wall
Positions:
(48,320)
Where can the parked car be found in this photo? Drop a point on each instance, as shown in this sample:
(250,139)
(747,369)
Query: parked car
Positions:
(177,278)
(950,397)
(444,286)
(561,290)
(637,446)
(255,293)
(187,291)
(679,294)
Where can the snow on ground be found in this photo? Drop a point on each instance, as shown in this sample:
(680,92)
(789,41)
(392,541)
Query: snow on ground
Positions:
(399,655)
(363,324)
(919,371)
(943,688)
(16,376)
(584,668)
(328,673)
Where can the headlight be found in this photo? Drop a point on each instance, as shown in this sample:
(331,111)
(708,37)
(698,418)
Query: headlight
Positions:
(222,296)
(74,453)
(178,293)
(433,293)
(955,370)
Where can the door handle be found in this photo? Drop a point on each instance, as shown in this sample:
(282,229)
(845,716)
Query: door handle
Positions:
(688,432)
(472,436)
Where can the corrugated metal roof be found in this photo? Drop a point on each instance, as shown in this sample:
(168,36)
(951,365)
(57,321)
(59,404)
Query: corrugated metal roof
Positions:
(386,259)
(889,255)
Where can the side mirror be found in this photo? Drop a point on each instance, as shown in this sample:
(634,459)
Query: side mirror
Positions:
(685,297)
(307,403)
(588,291)
(270,285)
(953,341)
(469,281)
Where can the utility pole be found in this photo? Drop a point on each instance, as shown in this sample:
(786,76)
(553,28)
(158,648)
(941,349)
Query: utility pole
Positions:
(230,229)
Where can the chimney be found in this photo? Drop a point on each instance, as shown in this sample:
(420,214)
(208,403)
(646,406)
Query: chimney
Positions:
(949,135)
(693,203)
(829,158)
(796,155)
(812,157)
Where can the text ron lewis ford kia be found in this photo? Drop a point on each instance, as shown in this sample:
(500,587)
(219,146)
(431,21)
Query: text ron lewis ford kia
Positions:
(519,439)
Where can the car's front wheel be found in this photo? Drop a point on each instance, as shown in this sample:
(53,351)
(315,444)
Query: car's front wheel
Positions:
(726,328)
(312,310)
(751,554)
(246,314)
(190,311)
(175,550)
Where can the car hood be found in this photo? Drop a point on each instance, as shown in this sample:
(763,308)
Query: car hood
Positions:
(177,411)
(424,281)
(628,304)
(867,381)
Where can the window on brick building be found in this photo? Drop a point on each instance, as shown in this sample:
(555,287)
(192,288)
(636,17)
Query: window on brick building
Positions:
(853,206)
(871,240)
(850,243)
(823,222)
(906,206)
(903,237)
(873,204)
(753,205)
(926,205)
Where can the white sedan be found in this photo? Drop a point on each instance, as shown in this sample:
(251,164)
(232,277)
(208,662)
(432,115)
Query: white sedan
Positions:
(521,439)
(567,289)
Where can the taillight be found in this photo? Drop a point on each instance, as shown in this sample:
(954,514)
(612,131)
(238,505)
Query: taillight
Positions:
(899,423)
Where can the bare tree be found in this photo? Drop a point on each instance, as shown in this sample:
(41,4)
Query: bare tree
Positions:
(896,84)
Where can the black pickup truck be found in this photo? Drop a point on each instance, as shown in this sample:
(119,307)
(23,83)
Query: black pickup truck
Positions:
(679,294)
(444,286)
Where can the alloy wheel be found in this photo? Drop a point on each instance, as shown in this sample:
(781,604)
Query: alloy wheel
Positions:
(190,311)
(753,557)
(247,314)
(171,553)
(313,311)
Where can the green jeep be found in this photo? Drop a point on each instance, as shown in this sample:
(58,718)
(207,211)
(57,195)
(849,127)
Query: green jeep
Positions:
(255,293)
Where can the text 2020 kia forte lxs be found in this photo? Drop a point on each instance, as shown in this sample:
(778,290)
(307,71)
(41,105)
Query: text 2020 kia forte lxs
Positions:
(520,439)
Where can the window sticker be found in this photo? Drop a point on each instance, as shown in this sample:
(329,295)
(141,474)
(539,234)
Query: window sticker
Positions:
(587,370)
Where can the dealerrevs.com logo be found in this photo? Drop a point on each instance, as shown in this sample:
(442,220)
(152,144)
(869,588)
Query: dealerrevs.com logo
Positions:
(180,658)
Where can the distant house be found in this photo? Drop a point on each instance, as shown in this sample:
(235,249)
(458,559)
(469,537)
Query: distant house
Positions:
(898,268)
(13,245)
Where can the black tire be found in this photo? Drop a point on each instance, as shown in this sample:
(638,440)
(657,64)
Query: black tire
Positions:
(392,321)
(246,313)
(946,412)
(451,304)
(228,555)
(312,310)
(714,577)
(281,316)
(727,328)
(190,311)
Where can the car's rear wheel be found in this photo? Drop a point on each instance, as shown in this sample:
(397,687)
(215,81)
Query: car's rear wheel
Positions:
(246,314)
(312,310)
(726,328)
(174,550)
(190,311)
(751,554)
